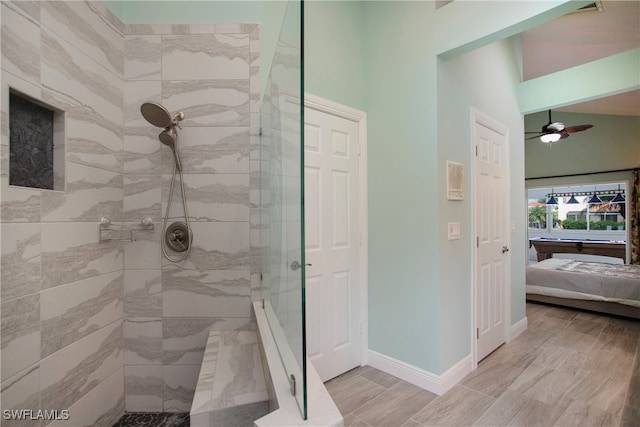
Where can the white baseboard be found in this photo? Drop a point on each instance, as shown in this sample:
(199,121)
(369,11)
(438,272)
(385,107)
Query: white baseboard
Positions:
(518,328)
(438,384)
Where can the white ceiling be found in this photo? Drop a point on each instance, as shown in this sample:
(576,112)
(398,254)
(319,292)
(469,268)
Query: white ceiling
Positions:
(582,37)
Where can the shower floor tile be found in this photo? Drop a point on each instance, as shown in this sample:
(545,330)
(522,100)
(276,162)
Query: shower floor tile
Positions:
(151,419)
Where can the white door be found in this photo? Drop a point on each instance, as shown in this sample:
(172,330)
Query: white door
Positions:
(331,242)
(492,256)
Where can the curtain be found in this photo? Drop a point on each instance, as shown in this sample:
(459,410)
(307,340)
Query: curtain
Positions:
(635,218)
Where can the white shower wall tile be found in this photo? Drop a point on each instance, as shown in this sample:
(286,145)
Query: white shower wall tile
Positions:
(19,204)
(148,29)
(218,246)
(210,197)
(185,338)
(91,139)
(20,43)
(144,388)
(216,88)
(215,293)
(142,151)
(143,57)
(20,261)
(20,342)
(84,26)
(228,28)
(71,373)
(205,57)
(102,406)
(145,253)
(179,387)
(30,7)
(73,311)
(19,392)
(135,94)
(211,150)
(142,293)
(142,197)
(90,194)
(142,341)
(209,102)
(78,78)
(72,251)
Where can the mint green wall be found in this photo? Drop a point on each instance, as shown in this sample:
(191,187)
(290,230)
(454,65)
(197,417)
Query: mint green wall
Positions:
(419,282)
(404,284)
(603,77)
(485,79)
(334,51)
(613,143)
(463,26)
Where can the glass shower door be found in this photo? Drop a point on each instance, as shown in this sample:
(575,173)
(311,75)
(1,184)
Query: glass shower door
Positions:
(282,217)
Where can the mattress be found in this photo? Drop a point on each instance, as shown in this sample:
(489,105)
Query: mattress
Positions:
(567,278)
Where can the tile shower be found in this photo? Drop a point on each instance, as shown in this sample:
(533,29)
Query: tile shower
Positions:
(95,327)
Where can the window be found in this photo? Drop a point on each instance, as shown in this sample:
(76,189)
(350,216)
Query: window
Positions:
(572,210)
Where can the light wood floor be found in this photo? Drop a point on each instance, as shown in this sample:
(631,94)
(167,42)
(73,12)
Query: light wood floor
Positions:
(569,368)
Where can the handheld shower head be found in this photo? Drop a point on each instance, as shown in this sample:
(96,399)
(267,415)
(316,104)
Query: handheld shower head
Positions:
(169,137)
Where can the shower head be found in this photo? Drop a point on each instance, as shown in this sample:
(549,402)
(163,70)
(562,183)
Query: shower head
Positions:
(156,114)
(169,138)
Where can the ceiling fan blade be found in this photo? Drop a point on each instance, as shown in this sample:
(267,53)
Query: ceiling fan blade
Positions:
(578,128)
(538,132)
(564,134)
(534,137)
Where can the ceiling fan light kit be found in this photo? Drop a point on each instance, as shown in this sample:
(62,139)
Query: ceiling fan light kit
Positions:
(550,137)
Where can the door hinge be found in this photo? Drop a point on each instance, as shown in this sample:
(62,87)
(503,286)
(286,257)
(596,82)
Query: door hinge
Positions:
(261,135)
(476,150)
(477,241)
(477,333)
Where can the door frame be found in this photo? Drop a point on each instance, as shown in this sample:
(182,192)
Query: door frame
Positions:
(360,118)
(478,117)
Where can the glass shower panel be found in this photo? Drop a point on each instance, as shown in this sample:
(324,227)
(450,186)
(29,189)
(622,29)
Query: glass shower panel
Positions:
(282,218)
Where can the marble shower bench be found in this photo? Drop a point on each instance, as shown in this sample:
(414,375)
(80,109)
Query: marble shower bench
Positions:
(231,388)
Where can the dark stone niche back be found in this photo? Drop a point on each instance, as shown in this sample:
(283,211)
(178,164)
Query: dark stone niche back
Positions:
(30,144)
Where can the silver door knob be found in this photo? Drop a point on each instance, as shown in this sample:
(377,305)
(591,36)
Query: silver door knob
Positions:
(295,265)
(505,249)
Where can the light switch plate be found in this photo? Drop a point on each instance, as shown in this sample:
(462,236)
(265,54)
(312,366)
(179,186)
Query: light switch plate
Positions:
(453,230)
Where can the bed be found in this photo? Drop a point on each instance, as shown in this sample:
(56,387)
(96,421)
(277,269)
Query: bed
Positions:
(597,286)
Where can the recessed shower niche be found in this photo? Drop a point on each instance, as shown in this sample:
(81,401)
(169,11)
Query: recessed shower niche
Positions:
(36,143)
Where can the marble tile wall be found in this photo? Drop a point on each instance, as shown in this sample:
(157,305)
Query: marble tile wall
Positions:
(209,72)
(62,291)
(96,327)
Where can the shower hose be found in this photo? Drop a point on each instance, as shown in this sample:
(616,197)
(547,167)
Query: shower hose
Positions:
(186,216)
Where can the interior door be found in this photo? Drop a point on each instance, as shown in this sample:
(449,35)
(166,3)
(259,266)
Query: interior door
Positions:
(492,251)
(331,243)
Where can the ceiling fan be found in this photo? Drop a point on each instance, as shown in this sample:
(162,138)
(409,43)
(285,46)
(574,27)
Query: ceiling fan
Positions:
(554,131)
